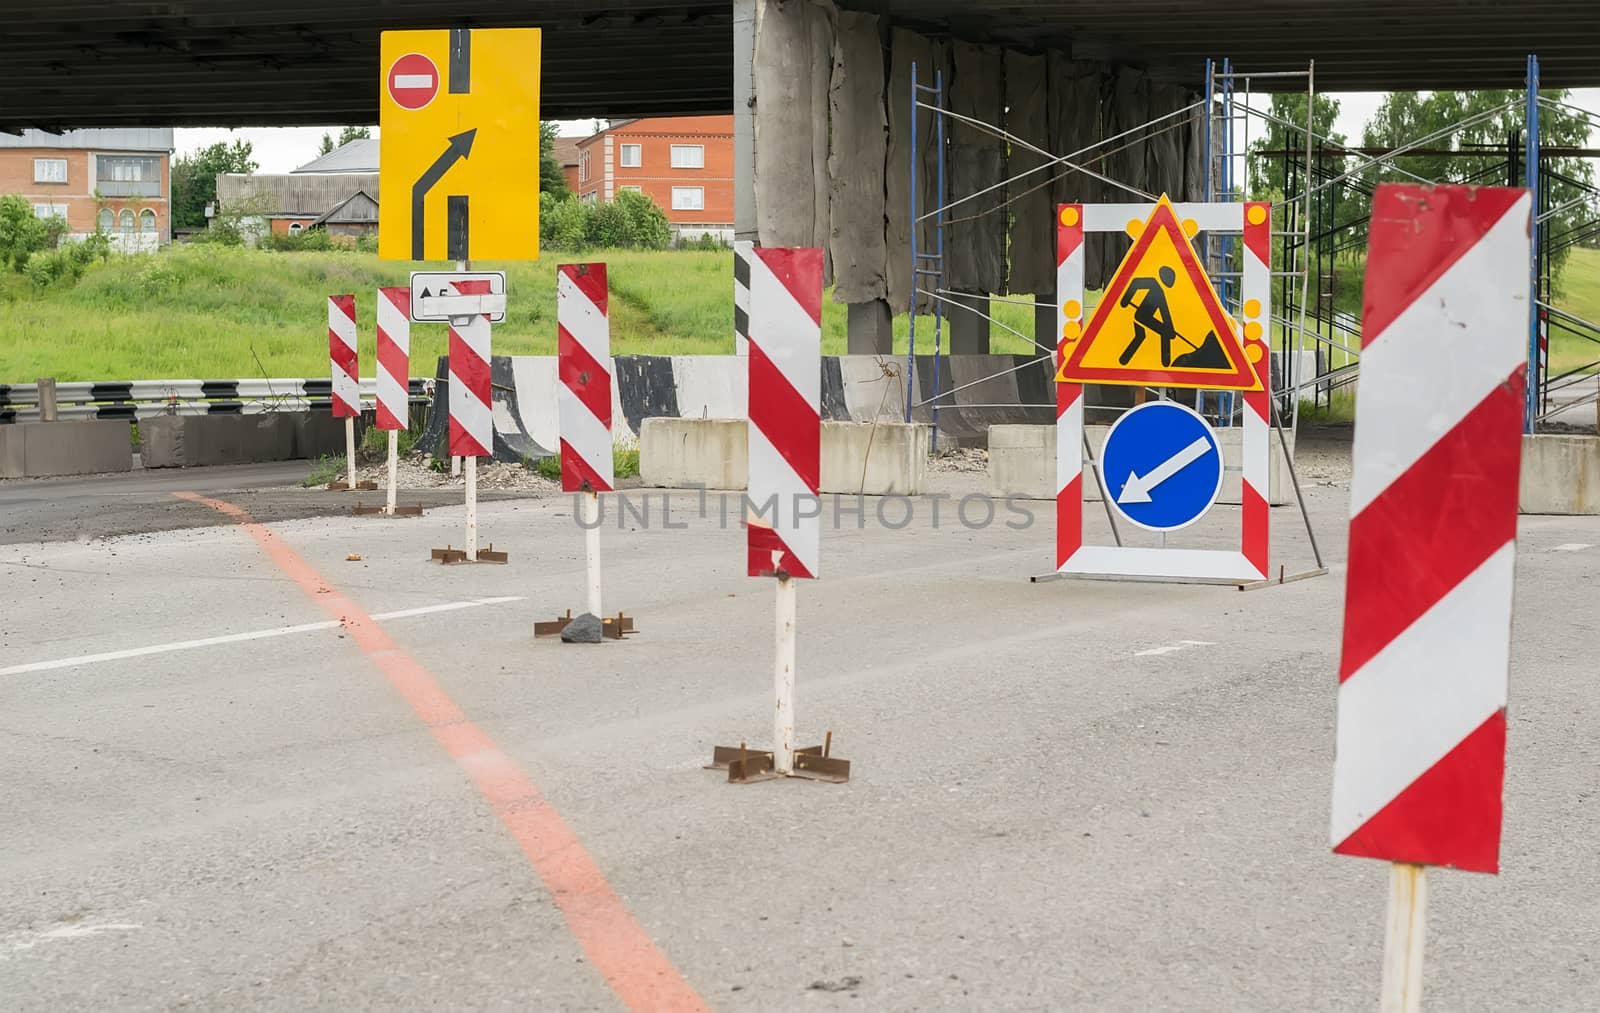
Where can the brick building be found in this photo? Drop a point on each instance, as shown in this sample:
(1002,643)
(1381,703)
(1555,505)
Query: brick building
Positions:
(683,163)
(119,181)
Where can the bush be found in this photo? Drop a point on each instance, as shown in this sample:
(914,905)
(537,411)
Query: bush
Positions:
(316,240)
(45,269)
(632,221)
(704,243)
(22,234)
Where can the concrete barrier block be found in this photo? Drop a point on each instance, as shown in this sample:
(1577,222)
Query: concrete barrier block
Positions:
(1022,462)
(875,458)
(189,441)
(1560,475)
(680,453)
(41,449)
(314,434)
(11,451)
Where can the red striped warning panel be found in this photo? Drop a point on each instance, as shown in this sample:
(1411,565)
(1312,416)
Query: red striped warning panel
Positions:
(1069,396)
(344,361)
(394,358)
(1420,755)
(471,417)
(584,398)
(783,517)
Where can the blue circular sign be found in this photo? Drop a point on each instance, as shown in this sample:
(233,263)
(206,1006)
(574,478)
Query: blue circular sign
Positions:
(1162,466)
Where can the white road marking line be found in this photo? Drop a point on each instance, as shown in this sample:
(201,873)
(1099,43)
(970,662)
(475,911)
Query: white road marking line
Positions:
(1169,648)
(1573,547)
(20,941)
(235,638)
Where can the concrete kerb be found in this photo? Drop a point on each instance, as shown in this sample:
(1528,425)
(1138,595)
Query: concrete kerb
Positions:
(1022,462)
(874,459)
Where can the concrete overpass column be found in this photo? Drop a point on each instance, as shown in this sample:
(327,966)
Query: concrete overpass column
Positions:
(870,328)
(969,323)
(744,121)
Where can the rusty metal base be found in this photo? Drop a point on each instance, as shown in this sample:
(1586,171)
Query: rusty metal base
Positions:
(399,511)
(746,766)
(450,554)
(366,484)
(612,627)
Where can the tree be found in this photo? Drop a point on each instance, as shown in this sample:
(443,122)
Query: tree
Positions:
(1267,175)
(326,145)
(194,179)
(1494,122)
(22,234)
(552,178)
(346,135)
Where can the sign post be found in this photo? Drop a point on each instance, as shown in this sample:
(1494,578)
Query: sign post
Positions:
(783,510)
(394,384)
(1419,761)
(459,119)
(345,368)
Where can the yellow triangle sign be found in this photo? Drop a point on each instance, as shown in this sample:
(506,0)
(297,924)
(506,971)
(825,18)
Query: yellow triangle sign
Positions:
(1160,322)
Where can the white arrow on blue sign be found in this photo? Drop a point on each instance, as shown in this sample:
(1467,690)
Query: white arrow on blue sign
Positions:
(1163,466)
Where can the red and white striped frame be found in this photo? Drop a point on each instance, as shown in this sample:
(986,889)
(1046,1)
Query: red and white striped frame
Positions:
(783,514)
(344,360)
(394,358)
(471,412)
(1073,557)
(583,398)
(1419,762)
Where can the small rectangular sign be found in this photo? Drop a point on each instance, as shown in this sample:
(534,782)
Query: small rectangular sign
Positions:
(435,297)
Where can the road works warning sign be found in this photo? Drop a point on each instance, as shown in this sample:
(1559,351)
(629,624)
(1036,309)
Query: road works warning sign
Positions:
(1160,321)
(459,145)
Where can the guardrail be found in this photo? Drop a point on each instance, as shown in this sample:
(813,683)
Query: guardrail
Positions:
(142,399)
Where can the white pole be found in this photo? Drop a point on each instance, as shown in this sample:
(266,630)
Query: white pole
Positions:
(394,464)
(472,508)
(350,448)
(1403,938)
(591,535)
(455,467)
(783,679)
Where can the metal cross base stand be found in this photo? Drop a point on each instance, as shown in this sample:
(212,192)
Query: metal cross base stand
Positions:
(746,766)
(399,511)
(613,627)
(450,554)
(1284,578)
(343,486)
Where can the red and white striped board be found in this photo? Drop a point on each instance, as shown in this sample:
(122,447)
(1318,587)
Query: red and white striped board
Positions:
(583,399)
(1249,562)
(471,414)
(394,358)
(1420,754)
(783,515)
(343,358)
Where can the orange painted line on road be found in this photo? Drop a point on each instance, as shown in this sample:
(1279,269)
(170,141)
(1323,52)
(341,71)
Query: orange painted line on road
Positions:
(614,941)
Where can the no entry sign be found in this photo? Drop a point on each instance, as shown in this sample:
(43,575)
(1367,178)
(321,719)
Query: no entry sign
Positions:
(413,81)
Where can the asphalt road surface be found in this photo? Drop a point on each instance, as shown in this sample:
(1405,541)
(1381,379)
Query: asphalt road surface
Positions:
(368,787)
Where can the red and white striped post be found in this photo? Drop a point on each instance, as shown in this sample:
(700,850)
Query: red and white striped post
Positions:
(1420,755)
(583,400)
(394,373)
(471,417)
(783,510)
(344,364)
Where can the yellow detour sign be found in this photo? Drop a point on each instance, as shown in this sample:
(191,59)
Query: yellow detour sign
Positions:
(1160,321)
(459,145)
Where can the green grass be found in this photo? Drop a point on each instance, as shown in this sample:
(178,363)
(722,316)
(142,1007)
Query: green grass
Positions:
(1577,292)
(213,312)
(624,464)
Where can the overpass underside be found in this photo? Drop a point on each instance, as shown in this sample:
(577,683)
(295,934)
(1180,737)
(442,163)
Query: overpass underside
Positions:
(103,63)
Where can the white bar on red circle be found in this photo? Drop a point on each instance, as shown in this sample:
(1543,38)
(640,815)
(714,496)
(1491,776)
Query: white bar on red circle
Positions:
(583,398)
(343,359)
(1419,762)
(394,358)
(782,517)
(471,414)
